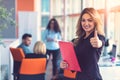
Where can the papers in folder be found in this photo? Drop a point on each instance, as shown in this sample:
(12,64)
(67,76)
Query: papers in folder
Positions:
(68,55)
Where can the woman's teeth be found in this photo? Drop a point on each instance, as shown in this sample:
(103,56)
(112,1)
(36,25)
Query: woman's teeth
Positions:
(86,27)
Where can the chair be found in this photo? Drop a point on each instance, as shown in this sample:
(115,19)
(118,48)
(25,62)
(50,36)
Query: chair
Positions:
(18,55)
(32,69)
(69,74)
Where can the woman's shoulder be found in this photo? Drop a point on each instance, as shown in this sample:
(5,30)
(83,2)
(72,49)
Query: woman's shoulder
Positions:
(58,33)
(101,36)
(29,54)
(42,55)
(35,56)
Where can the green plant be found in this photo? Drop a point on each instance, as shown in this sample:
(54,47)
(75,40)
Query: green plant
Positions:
(5,18)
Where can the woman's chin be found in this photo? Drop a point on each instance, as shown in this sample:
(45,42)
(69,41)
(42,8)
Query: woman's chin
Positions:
(87,30)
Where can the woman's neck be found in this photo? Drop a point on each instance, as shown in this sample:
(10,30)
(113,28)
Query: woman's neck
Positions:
(87,34)
(52,29)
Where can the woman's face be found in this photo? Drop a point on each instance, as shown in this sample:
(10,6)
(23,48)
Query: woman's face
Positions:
(52,25)
(87,23)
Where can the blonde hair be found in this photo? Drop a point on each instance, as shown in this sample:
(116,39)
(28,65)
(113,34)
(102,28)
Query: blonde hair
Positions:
(39,48)
(96,18)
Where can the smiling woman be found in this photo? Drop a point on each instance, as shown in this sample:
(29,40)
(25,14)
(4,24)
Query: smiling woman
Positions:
(88,45)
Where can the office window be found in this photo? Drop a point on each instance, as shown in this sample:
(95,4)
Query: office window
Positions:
(45,5)
(45,20)
(42,35)
(57,7)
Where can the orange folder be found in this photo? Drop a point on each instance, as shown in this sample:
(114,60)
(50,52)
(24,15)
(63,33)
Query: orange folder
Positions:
(68,55)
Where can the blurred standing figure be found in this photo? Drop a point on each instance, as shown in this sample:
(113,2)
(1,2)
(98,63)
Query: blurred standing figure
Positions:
(111,48)
(51,37)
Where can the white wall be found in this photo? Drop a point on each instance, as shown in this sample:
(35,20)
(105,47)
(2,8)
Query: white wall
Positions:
(28,23)
(6,60)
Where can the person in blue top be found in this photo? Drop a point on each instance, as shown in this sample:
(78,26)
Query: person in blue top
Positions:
(26,41)
(52,35)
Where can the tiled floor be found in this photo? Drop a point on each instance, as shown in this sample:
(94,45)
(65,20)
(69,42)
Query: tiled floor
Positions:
(108,72)
(49,71)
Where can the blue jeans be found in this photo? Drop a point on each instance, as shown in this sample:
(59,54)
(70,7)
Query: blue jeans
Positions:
(55,60)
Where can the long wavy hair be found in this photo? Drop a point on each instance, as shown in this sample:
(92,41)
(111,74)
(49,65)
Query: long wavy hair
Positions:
(97,22)
(56,25)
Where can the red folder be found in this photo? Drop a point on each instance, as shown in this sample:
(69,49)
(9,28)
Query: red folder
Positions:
(68,55)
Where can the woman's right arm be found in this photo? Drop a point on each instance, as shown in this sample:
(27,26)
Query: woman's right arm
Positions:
(45,36)
(63,65)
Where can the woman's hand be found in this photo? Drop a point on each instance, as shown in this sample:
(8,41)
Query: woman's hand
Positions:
(55,40)
(95,41)
(50,39)
(63,65)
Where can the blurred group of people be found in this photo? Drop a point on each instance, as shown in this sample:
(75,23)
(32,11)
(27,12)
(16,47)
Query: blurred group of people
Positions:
(46,48)
(111,46)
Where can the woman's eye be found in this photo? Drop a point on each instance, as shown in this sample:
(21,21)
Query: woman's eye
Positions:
(90,20)
(83,20)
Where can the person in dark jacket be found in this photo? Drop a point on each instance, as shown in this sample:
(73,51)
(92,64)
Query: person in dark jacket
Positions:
(88,45)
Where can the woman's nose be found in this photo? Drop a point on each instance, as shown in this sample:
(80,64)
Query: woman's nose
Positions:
(86,23)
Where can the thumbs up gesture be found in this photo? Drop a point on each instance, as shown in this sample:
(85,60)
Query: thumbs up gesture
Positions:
(95,41)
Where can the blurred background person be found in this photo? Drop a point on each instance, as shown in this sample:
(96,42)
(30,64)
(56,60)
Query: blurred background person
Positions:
(51,37)
(39,51)
(111,45)
(26,41)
